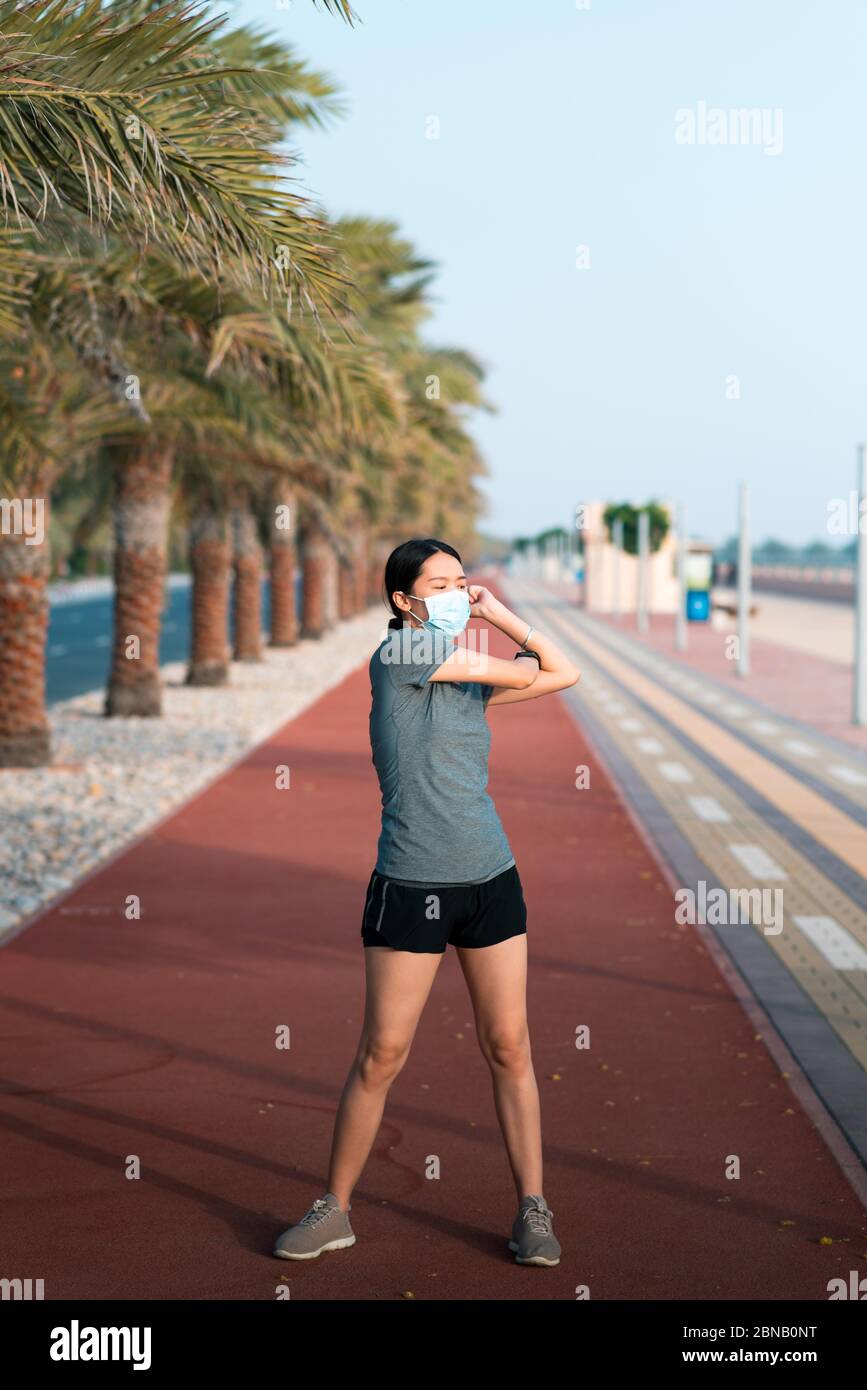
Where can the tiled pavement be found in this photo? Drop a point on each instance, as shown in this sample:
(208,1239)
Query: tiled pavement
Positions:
(740,797)
(796,684)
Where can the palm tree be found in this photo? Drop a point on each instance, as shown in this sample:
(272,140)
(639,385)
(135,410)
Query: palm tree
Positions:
(210,561)
(231,383)
(423,475)
(248,571)
(119,112)
(118,116)
(53,419)
(283,551)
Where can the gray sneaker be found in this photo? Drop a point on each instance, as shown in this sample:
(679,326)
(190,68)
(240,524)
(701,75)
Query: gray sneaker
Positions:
(533,1238)
(325,1227)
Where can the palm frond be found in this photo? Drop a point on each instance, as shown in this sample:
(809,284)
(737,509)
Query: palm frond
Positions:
(104,110)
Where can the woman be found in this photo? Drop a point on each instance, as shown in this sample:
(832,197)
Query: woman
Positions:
(444,874)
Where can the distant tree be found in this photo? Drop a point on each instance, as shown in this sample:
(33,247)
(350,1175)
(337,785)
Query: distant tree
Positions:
(774,550)
(727,553)
(628,514)
(819,550)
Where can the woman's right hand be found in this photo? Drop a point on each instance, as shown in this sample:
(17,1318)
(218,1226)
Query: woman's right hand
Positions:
(483,604)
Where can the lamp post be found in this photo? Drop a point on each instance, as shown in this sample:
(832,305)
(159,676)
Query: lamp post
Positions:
(680,628)
(859,701)
(744,581)
(617,538)
(643,553)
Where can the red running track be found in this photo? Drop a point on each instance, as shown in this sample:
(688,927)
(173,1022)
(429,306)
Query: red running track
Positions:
(156,1039)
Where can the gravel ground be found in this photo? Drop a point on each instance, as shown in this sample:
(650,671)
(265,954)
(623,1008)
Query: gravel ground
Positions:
(111,779)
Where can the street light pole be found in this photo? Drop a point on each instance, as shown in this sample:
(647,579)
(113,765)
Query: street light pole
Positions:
(859,701)
(617,538)
(680,619)
(744,582)
(643,551)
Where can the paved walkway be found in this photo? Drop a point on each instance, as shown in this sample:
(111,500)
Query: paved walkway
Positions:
(745,801)
(815,627)
(812,685)
(151,1042)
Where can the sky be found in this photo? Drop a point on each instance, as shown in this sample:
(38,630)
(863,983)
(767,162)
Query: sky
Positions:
(666,303)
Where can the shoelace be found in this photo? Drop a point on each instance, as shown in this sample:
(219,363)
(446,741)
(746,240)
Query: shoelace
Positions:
(538,1217)
(317,1212)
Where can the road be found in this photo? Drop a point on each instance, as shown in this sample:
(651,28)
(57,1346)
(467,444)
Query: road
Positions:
(79,639)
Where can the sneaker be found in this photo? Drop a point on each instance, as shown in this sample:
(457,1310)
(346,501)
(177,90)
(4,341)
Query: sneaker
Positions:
(533,1238)
(325,1227)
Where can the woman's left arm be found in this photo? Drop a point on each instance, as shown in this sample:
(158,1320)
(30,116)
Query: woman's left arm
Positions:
(556,671)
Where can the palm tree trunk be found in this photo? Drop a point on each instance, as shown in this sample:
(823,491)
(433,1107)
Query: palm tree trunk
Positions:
(360,547)
(25,739)
(284,560)
(142,480)
(379,552)
(347,605)
(247,606)
(353,569)
(210,558)
(319,579)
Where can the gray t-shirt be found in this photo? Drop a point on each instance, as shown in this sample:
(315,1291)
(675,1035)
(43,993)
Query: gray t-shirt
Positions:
(430,743)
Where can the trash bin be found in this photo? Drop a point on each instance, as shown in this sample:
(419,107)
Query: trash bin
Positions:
(697,605)
(699,571)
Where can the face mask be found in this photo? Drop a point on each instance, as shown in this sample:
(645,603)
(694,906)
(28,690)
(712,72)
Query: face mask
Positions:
(448,611)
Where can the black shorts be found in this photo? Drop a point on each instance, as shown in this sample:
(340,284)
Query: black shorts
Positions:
(427,917)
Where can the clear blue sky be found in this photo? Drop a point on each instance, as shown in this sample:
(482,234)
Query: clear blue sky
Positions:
(706,261)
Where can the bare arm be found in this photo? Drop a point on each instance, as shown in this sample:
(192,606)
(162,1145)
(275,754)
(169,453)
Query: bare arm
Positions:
(465,664)
(556,671)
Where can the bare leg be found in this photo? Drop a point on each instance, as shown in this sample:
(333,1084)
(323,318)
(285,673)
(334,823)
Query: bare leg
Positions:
(497,980)
(398,984)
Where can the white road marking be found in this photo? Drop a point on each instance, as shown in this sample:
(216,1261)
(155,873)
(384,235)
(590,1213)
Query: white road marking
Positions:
(757,861)
(708,808)
(631,726)
(615,707)
(675,772)
(764,726)
(650,745)
(734,711)
(838,946)
(848,774)
(799,748)
(709,697)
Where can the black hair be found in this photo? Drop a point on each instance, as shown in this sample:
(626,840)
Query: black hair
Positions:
(403,566)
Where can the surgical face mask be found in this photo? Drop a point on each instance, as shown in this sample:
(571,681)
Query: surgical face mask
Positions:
(448,611)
